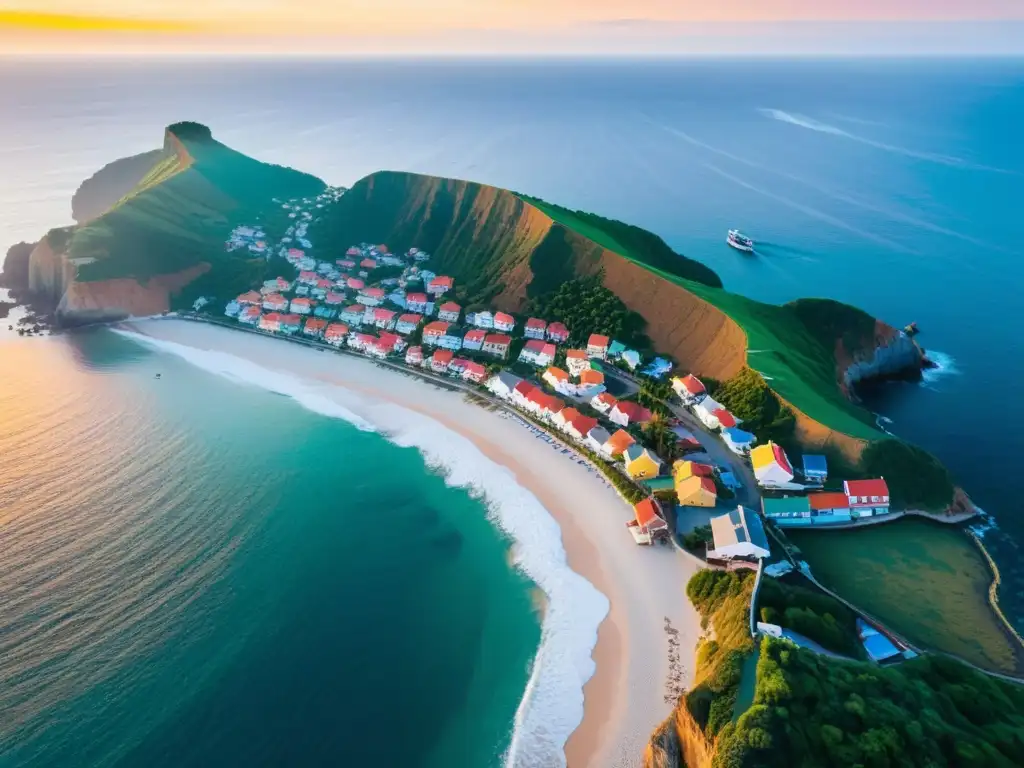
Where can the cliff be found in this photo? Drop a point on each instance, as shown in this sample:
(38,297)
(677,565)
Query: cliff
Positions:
(14,273)
(107,186)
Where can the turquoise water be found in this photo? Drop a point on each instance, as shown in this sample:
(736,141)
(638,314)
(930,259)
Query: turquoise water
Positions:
(201,573)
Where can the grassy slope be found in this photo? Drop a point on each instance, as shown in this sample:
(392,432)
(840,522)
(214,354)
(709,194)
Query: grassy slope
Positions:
(180,212)
(795,361)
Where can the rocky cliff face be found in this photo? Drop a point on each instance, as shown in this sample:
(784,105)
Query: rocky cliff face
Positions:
(893,355)
(14,274)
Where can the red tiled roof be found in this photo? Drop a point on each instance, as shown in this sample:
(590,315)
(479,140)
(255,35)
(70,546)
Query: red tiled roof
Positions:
(693,385)
(442,280)
(591,376)
(708,485)
(436,328)
(536,346)
(355,309)
(646,512)
(315,324)
(597,340)
(250,297)
(583,424)
(291,319)
(449,306)
(355,283)
(607,399)
(780,458)
(725,418)
(829,500)
(535,323)
(416,298)
(877,487)
(620,441)
(558,329)
(443,356)
(411,317)
(476,368)
(374,293)
(302,302)
(306,275)
(633,411)
(368,264)
(415,352)
(476,335)
(325,284)
(524,388)
(497,338)
(336,329)
(272,317)
(576,354)
(379,313)
(557,373)
(382,248)
(501,317)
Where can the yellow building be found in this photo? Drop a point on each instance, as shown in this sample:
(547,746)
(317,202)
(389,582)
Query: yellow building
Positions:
(696,491)
(682,470)
(640,462)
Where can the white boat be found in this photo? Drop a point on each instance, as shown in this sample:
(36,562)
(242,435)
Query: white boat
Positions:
(739,241)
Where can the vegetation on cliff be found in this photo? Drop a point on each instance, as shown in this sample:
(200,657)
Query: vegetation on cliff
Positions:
(916,479)
(103,189)
(750,398)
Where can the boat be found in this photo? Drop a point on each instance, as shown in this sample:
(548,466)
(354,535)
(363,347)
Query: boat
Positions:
(739,241)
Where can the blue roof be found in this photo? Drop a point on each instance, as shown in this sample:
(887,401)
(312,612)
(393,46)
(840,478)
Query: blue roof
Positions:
(738,435)
(616,348)
(658,367)
(729,480)
(879,647)
(814,464)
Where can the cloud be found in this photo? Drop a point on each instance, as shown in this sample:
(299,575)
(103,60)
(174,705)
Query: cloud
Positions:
(70,22)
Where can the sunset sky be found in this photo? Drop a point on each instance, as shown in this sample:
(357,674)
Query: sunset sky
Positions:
(513,26)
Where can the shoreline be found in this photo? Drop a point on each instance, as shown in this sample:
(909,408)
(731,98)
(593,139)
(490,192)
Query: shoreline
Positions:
(624,696)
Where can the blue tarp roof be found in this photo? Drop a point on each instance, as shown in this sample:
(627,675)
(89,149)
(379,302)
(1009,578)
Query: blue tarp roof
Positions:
(738,435)
(657,368)
(814,464)
(616,348)
(879,647)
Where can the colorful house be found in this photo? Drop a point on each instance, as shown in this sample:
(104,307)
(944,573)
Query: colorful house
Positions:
(354,315)
(597,346)
(302,306)
(539,353)
(789,510)
(558,379)
(640,462)
(738,535)
(452,339)
(771,466)
(414,356)
(603,403)
(617,444)
(647,523)
(368,264)
(481,319)
(334,298)
(275,302)
(626,412)
(458,366)
(250,298)
(449,311)
(543,405)
(270,322)
(335,334)
(361,341)
(596,438)
(383,318)
(815,469)
(408,323)
(535,328)
(504,322)
(738,441)
(503,384)
(577,425)
(706,411)
(696,492)
(249,315)
(591,383)
(440,285)
(416,302)
(474,339)
(576,361)
(867,497)
(371,297)
(497,345)
(475,373)
(355,283)
(521,393)
(290,323)
(558,333)
(434,332)
(314,327)
(725,418)
(308,277)
(683,470)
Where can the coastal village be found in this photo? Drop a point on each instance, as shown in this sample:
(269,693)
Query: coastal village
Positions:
(394,308)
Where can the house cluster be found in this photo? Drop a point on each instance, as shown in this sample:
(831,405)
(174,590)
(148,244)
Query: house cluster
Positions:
(713,415)
(251,238)
(858,499)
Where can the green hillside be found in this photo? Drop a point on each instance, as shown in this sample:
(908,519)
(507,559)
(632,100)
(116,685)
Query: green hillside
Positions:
(180,212)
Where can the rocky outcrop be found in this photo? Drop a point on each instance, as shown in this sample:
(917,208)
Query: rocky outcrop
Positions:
(14,274)
(894,355)
(678,743)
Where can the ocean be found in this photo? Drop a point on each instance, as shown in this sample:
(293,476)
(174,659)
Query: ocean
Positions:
(890,184)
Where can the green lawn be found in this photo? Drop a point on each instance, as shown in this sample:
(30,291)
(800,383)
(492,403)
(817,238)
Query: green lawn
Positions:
(927,580)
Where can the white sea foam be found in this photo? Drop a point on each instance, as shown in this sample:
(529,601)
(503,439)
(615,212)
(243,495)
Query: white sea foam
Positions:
(552,705)
(945,366)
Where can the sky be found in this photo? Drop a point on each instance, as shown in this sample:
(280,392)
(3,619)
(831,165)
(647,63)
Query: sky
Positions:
(511,27)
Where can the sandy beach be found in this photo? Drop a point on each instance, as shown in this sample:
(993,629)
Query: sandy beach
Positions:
(645,645)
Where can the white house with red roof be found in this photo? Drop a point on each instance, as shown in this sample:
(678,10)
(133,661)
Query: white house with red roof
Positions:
(314,327)
(301,306)
(574,423)
(539,353)
(521,392)
(371,297)
(475,373)
(249,298)
(354,251)
(270,322)
(497,345)
(535,328)
(416,302)
(334,298)
(361,341)
(408,323)
(647,523)
(249,315)
(414,356)
(458,366)
(504,322)
(294,254)
(559,380)
(440,285)
(576,361)
(626,412)
(276,285)
(474,339)
(354,315)
(725,418)
(591,384)
(690,389)
(335,334)
(275,302)
(597,346)
(771,466)
(308,277)
(558,333)
(705,411)
(603,402)
(290,323)
(346,263)
(434,332)
(449,311)
(482,319)
(368,264)
(867,497)
(383,318)
(355,283)
(440,360)
(543,405)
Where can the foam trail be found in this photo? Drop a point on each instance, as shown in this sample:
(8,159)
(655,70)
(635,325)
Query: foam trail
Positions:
(887,212)
(552,704)
(811,124)
(945,366)
(814,212)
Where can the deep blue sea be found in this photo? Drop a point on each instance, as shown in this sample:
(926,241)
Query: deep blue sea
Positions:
(895,185)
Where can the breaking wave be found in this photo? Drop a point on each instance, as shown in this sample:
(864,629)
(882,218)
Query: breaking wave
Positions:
(945,366)
(552,704)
